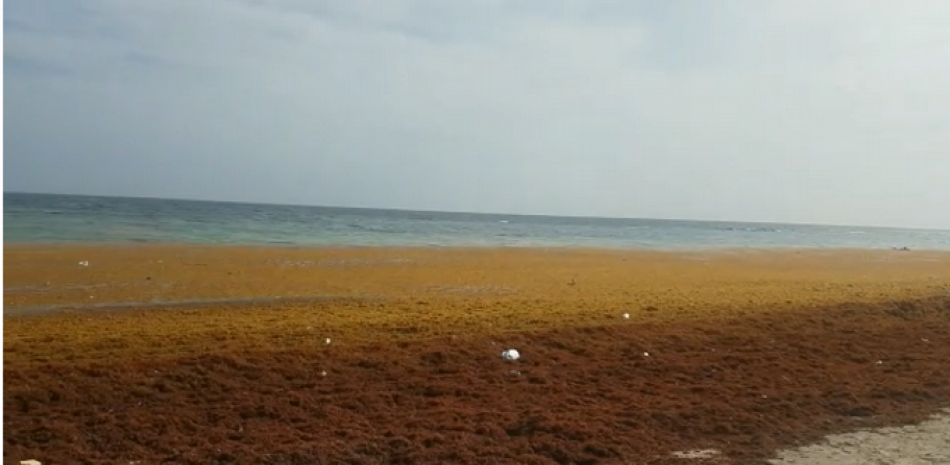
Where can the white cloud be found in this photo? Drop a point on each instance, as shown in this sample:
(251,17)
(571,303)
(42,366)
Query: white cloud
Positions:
(749,110)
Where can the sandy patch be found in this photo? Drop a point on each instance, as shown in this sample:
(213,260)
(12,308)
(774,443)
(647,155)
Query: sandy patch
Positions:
(926,443)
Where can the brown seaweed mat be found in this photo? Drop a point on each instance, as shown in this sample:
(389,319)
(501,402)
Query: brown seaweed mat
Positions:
(631,393)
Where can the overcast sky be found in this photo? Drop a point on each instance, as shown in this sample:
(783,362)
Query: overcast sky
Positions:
(800,111)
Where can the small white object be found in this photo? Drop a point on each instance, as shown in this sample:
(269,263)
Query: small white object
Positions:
(328,341)
(880,362)
(30,462)
(646,354)
(84,263)
(626,316)
(510,354)
(323,373)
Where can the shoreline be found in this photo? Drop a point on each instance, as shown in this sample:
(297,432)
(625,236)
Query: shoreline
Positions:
(625,356)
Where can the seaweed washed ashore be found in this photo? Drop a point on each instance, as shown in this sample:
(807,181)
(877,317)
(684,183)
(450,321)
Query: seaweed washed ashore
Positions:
(742,353)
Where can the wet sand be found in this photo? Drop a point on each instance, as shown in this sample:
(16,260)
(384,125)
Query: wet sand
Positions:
(189,354)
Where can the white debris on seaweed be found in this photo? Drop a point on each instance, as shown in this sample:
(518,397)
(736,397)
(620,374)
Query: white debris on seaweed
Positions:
(510,354)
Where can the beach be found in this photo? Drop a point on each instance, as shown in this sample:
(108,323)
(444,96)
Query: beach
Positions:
(282,355)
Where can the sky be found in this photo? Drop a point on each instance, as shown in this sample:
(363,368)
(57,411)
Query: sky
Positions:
(750,110)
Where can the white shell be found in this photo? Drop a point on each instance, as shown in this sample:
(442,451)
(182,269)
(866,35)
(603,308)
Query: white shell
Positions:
(510,354)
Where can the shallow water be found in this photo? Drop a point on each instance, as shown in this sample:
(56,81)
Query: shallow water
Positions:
(33,218)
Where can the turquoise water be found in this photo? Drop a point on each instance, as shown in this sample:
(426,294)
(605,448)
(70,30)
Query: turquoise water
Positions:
(34,218)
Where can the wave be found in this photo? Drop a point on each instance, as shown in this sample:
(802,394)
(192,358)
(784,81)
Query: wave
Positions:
(750,229)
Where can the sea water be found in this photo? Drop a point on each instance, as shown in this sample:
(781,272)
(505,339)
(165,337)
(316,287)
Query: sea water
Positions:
(42,218)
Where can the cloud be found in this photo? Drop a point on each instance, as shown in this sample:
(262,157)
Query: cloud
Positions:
(748,110)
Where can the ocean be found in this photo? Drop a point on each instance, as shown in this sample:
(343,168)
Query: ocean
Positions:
(43,218)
